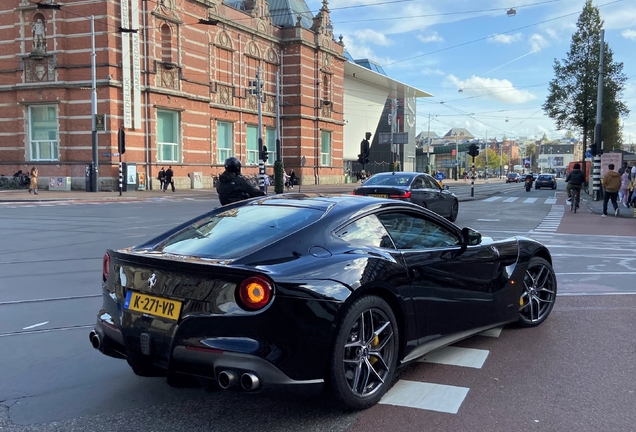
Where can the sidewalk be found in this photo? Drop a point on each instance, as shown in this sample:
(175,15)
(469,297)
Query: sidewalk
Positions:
(23,195)
(596,207)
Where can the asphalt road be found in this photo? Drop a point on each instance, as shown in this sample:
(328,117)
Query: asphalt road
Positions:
(575,372)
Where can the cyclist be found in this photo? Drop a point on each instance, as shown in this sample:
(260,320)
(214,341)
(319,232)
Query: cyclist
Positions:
(575,180)
(232,186)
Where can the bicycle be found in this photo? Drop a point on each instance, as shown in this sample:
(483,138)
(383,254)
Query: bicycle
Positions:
(574,199)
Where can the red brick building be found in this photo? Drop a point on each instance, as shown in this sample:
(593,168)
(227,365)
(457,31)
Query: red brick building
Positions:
(175,74)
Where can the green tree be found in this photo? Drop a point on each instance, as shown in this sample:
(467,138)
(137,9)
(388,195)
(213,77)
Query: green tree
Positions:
(572,94)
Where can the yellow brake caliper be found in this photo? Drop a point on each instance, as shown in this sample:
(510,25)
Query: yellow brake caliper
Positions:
(374,343)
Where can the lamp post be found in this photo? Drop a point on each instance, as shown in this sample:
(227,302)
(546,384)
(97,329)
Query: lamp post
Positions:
(456,158)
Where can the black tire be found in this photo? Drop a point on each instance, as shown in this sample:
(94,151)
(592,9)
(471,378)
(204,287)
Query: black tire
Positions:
(539,293)
(372,357)
(454,211)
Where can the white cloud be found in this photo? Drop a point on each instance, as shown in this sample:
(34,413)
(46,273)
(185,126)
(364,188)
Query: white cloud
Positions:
(372,36)
(357,50)
(506,38)
(431,38)
(537,42)
(496,89)
(629,34)
(429,71)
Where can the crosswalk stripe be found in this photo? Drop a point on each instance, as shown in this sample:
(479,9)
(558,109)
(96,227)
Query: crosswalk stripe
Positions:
(550,201)
(492,198)
(493,332)
(428,396)
(457,356)
(511,199)
(530,200)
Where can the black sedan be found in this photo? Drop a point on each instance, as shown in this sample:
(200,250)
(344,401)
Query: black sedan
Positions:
(418,188)
(546,180)
(513,178)
(298,290)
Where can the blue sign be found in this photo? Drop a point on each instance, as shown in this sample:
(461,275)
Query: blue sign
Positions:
(439,176)
(588,154)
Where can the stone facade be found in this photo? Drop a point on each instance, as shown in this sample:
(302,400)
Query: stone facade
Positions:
(189,60)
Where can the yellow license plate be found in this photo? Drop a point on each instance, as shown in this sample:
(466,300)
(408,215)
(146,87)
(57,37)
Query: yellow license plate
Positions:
(151,305)
(378,195)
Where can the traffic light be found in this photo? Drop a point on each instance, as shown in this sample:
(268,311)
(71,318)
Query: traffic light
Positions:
(366,158)
(121,141)
(594,149)
(360,159)
(264,155)
(473,150)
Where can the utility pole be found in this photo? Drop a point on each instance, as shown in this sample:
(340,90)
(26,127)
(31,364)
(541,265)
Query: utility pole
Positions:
(598,134)
(428,145)
(278,146)
(486,168)
(95,162)
(456,158)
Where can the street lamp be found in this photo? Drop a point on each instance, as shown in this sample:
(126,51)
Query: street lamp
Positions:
(456,158)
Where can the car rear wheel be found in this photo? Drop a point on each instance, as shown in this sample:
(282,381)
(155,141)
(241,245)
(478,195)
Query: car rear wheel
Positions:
(539,293)
(454,212)
(365,354)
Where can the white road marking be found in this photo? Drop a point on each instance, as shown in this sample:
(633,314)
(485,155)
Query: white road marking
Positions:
(511,199)
(489,220)
(530,200)
(491,199)
(493,332)
(457,356)
(550,200)
(35,325)
(434,397)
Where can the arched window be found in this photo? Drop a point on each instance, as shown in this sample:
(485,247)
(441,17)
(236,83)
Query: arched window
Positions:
(166,44)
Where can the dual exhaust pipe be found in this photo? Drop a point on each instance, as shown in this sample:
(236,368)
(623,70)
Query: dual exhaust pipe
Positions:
(95,340)
(229,378)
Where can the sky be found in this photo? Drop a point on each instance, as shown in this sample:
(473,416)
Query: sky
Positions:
(488,72)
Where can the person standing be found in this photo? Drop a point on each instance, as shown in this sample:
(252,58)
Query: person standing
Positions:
(162,178)
(624,191)
(292,178)
(611,184)
(34,181)
(267,183)
(169,179)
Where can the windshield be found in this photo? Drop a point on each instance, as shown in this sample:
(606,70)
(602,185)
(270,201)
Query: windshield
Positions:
(237,232)
(545,177)
(389,180)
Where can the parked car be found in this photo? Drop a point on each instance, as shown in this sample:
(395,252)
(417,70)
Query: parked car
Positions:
(311,291)
(513,178)
(546,180)
(418,188)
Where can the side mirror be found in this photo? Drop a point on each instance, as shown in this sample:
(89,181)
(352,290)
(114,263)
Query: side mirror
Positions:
(470,237)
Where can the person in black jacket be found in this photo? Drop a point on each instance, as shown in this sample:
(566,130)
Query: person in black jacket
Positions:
(574,179)
(169,179)
(232,186)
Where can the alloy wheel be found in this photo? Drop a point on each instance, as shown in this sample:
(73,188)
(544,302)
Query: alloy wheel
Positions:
(369,352)
(539,292)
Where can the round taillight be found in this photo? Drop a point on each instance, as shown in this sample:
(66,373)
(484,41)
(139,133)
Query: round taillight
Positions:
(105,265)
(255,292)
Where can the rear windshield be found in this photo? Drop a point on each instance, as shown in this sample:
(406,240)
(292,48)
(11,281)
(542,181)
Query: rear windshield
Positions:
(545,177)
(239,231)
(389,180)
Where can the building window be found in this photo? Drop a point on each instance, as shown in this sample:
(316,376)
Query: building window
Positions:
(325,148)
(43,133)
(223,141)
(167,136)
(166,44)
(270,142)
(252,145)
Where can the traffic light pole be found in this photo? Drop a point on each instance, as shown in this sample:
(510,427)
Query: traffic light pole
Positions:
(598,135)
(261,162)
(472,181)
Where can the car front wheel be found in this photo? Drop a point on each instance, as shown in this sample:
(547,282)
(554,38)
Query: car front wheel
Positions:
(454,211)
(365,354)
(539,293)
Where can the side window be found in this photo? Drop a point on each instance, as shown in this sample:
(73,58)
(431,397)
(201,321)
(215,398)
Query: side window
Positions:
(418,183)
(415,232)
(430,183)
(366,231)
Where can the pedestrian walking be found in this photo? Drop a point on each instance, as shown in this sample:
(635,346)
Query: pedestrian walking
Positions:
(169,179)
(34,181)
(292,178)
(624,191)
(266,183)
(611,184)
(162,178)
